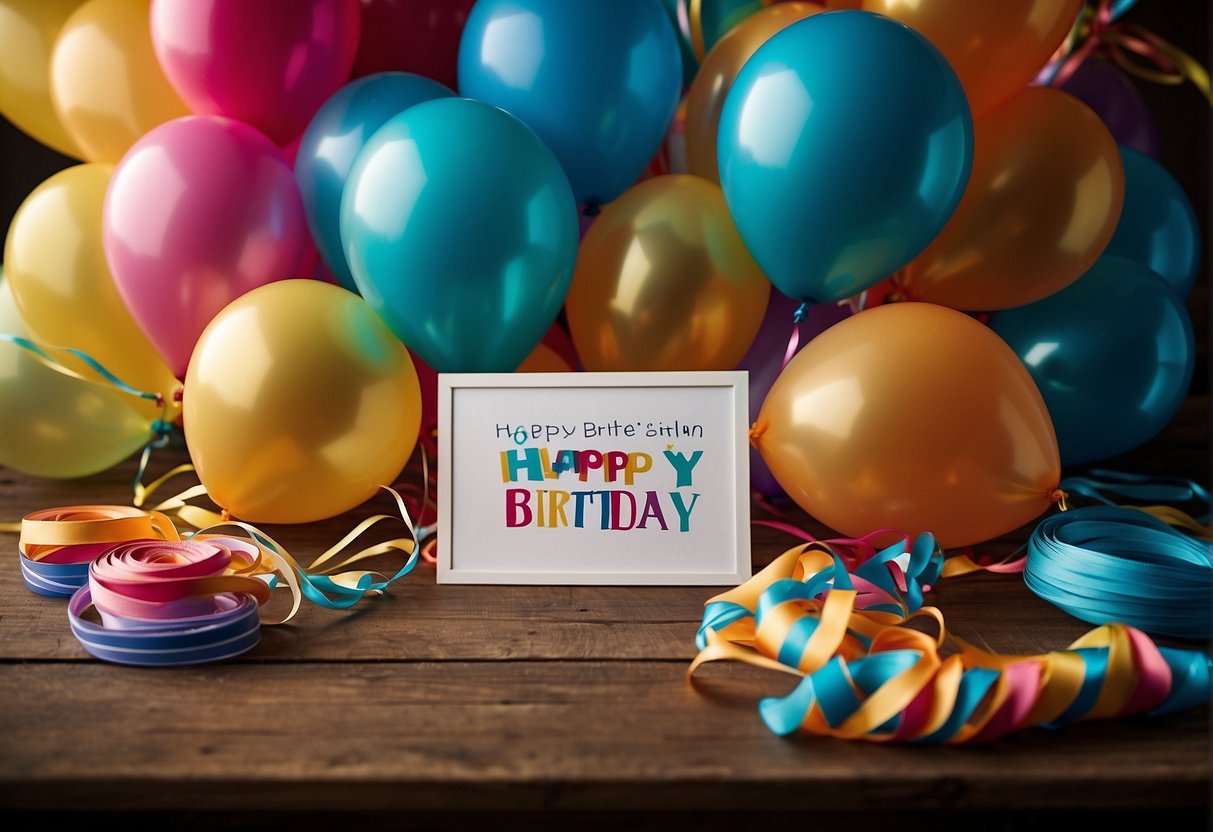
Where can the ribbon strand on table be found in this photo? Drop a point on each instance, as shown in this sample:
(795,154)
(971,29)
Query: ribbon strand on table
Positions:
(866,675)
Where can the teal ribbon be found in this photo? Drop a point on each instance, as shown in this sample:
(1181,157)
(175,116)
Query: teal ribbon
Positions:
(1107,564)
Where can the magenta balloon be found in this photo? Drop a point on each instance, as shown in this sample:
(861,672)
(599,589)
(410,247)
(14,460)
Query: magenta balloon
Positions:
(200,210)
(764,360)
(269,63)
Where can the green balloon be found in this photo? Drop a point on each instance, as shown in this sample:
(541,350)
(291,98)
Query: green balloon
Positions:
(55,426)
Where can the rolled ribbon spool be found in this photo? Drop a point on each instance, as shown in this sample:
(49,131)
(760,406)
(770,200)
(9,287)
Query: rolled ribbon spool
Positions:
(1103,564)
(172,603)
(58,544)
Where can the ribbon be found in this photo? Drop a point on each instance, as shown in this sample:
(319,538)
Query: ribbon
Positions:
(1104,564)
(1133,48)
(867,675)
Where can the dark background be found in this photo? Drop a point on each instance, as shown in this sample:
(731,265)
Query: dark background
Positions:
(1182,114)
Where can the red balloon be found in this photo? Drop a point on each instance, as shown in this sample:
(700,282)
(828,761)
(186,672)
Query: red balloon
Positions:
(420,36)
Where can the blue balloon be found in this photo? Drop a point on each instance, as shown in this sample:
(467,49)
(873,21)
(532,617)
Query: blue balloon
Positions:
(598,80)
(333,138)
(1157,225)
(461,231)
(1112,354)
(845,144)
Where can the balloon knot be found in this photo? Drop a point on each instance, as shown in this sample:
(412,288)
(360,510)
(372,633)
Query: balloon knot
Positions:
(1061,498)
(178,394)
(592,208)
(801,312)
(225,515)
(756,432)
(161,428)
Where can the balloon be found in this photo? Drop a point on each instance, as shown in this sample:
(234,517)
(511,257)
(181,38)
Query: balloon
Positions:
(420,36)
(55,426)
(711,20)
(764,361)
(56,268)
(558,341)
(835,185)
(299,404)
(105,84)
(461,232)
(27,34)
(675,10)
(338,131)
(543,359)
(597,80)
(995,48)
(270,64)
(663,282)
(200,211)
(1112,354)
(1158,225)
(1117,102)
(706,96)
(1041,204)
(915,417)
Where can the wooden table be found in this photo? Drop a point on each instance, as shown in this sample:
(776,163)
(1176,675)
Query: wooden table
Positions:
(463,706)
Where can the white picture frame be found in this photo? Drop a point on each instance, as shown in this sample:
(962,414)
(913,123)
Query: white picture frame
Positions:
(690,512)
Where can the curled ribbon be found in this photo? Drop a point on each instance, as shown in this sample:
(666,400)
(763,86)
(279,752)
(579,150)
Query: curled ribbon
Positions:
(171,603)
(1103,564)
(866,675)
(1133,48)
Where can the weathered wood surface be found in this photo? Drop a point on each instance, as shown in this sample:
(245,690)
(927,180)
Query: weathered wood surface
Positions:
(433,699)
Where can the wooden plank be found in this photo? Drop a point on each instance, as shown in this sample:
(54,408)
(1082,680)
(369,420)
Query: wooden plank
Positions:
(525,735)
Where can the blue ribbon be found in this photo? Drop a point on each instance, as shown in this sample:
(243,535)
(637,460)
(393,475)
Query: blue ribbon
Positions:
(1106,564)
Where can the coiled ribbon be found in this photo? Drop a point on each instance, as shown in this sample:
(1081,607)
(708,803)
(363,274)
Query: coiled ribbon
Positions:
(836,613)
(1104,564)
(168,601)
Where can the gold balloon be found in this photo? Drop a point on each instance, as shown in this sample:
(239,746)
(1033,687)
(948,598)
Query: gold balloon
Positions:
(715,76)
(1042,202)
(28,29)
(911,416)
(52,425)
(106,84)
(996,48)
(299,403)
(56,265)
(664,282)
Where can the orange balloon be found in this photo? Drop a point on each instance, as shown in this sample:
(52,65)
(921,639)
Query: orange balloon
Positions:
(1042,202)
(996,48)
(911,416)
(715,76)
(543,359)
(664,282)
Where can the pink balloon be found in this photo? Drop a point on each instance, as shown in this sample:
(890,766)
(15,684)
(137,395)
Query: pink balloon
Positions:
(270,63)
(200,210)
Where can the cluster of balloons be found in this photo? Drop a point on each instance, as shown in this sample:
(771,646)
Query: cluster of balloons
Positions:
(286,208)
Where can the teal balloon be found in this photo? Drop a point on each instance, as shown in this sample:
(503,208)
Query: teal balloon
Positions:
(845,144)
(1158,226)
(597,80)
(1112,354)
(461,232)
(331,142)
(717,17)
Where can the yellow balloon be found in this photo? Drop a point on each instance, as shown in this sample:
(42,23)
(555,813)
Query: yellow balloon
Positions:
(106,84)
(664,282)
(28,29)
(706,96)
(56,264)
(911,416)
(299,403)
(52,425)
